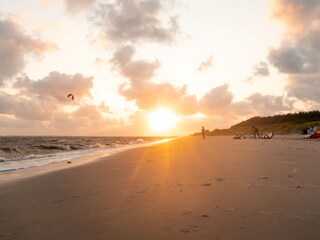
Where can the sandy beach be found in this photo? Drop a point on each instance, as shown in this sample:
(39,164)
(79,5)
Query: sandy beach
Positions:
(189,188)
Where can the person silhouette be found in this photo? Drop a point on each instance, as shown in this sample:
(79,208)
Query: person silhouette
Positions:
(255,131)
(203,131)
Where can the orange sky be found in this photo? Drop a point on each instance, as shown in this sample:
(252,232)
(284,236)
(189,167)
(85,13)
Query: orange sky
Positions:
(185,63)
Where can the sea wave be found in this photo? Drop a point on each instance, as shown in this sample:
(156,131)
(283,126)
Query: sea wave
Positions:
(18,153)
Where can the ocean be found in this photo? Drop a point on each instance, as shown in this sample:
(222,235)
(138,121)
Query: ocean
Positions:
(17,153)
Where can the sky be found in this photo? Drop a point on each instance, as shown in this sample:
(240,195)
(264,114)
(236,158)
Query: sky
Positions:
(151,67)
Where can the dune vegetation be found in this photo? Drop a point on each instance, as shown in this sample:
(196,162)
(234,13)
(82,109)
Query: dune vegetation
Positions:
(291,123)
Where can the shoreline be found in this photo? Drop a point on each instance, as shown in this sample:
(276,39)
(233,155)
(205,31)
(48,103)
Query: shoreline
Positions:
(189,188)
(21,174)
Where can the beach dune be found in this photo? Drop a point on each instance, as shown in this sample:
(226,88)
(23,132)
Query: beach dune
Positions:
(188,188)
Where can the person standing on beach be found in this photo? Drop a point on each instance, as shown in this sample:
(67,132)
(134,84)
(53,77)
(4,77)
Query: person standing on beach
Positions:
(203,131)
(255,131)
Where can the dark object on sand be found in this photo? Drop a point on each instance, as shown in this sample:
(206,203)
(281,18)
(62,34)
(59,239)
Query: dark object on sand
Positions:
(69,162)
(313,135)
(264,136)
(239,136)
(268,135)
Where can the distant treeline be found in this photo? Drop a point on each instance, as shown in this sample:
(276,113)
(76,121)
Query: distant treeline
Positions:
(299,117)
(280,124)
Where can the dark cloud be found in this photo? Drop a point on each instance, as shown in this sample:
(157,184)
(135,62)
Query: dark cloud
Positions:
(295,59)
(56,86)
(305,88)
(15,46)
(299,52)
(206,64)
(132,21)
(298,55)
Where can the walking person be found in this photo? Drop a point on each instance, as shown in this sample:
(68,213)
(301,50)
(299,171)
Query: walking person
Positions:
(255,131)
(203,131)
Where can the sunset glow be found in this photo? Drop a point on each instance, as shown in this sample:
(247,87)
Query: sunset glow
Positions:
(162,120)
(225,61)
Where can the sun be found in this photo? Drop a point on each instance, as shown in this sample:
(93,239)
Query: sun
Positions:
(162,120)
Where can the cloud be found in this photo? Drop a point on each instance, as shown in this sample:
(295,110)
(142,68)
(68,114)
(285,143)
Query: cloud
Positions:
(217,100)
(24,108)
(136,71)
(147,94)
(56,86)
(295,58)
(297,15)
(305,88)
(15,46)
(74,6)
(261,105)
(86,120)
(259,70)
(188,105)
(267,104)
(299,51)
(21,114)
(88,111)
(134,21)
(298,55)
(206,64)
(40,100)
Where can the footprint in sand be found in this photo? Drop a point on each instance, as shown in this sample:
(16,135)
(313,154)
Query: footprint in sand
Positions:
(206,184)
(7,234)
(253,185)
(188,229)
(58,201)
(229,210)
(142,192)
(267,213)
(187,213)
(219,179)
(263,177)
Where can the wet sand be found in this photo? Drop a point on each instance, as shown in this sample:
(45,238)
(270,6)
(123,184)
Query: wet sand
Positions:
(189,188)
